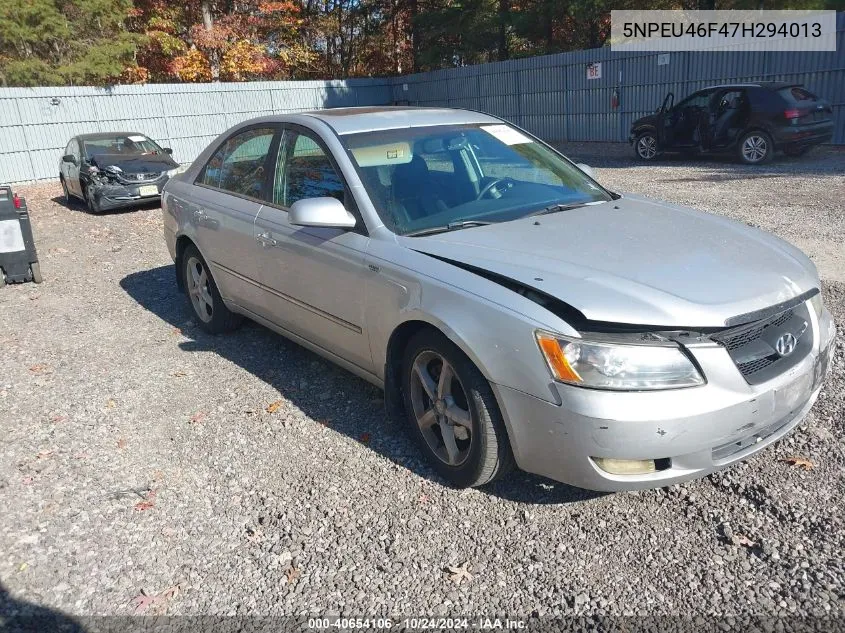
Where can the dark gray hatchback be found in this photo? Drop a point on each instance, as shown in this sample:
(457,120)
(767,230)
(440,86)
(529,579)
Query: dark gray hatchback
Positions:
(750,120)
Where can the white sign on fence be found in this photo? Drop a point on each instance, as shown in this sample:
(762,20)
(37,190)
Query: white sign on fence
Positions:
(663,60)
(594,70)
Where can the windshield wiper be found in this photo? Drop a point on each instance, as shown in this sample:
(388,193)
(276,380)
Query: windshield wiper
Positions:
(554,208)
(452,226)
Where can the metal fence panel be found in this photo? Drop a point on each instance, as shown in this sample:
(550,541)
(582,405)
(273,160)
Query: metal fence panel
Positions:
(551,96)
(37,123)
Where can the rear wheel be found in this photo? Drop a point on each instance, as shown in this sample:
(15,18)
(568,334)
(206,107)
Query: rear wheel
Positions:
(453,413)
(755,148)
(646,147)
(214,317)
(35,267)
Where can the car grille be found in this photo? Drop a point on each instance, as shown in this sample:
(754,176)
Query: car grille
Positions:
(751,334)
(755,365)
(143,177)
(753,346)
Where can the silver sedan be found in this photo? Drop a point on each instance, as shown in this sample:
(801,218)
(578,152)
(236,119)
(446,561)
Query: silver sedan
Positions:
(515,311)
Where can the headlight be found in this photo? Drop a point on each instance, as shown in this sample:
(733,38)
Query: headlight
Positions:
(178,170)
(817,304)
(619,366)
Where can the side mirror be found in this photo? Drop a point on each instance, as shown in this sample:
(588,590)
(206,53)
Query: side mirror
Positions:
(320,212)
(167,150)
(69,158)
(586,169)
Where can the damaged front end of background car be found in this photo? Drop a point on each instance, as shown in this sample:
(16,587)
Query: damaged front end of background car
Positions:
(113,185)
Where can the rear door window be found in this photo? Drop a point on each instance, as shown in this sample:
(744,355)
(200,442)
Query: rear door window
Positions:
(798,95)
(238,165)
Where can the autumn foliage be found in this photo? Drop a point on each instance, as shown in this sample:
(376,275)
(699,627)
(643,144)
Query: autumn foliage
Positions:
(67,42)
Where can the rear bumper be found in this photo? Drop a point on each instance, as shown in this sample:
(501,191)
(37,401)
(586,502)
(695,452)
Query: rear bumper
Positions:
(804,135)
(695,431)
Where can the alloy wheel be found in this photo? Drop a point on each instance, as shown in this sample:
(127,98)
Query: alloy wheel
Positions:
(647,146)
(754,148)
(440,408)
(197,282)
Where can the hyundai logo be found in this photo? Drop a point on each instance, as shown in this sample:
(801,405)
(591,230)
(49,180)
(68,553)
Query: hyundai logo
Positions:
(785,345)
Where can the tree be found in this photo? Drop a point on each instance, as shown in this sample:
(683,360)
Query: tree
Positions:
(55,42)
(48,42)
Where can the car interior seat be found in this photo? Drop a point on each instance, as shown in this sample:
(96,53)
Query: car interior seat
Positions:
(415,190)
(727,118)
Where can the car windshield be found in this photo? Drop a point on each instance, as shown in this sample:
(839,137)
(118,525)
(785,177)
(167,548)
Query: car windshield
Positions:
(429,177)
(129,145)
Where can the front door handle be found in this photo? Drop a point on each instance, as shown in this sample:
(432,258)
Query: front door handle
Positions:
(265,239)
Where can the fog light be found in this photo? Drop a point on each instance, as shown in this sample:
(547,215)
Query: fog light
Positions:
(625,466)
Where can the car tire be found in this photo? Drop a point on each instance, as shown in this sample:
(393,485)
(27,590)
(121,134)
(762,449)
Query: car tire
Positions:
(2,278)
(35,267)
(461,430)
(646,146)
(755,148)
(795,152)
(90,203)
(206,303)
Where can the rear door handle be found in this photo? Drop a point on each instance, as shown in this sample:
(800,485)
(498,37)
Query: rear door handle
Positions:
(265,239)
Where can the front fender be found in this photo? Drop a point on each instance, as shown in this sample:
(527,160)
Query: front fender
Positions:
(491,324)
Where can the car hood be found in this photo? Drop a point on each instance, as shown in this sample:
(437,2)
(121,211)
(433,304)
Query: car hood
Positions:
(636,261)
(146,163)
(649,119)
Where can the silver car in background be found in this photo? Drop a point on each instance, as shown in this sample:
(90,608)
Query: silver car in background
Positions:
(513,309)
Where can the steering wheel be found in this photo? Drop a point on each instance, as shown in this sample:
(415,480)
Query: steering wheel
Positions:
(490,186)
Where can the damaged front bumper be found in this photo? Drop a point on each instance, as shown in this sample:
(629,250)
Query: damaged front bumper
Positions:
(115,195)
(687,433)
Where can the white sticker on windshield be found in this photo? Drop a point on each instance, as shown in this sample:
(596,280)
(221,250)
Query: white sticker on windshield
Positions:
(506,134)
(138,139)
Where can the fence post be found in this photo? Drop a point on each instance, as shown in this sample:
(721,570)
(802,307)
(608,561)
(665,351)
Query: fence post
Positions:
(26,140)
(166,120)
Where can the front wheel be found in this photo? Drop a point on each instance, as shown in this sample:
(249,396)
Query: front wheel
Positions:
(646,147)
(35,267)
(66,193)
(213,315)
(755,148)
(453,413)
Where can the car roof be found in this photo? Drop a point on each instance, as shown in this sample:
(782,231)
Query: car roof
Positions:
(93,136)
(770,85)
(368,119)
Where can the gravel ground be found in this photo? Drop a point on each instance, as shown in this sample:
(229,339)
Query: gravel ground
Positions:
(149,468)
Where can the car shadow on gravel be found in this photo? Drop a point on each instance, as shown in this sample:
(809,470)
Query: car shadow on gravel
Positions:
(317,387)
(18,616)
